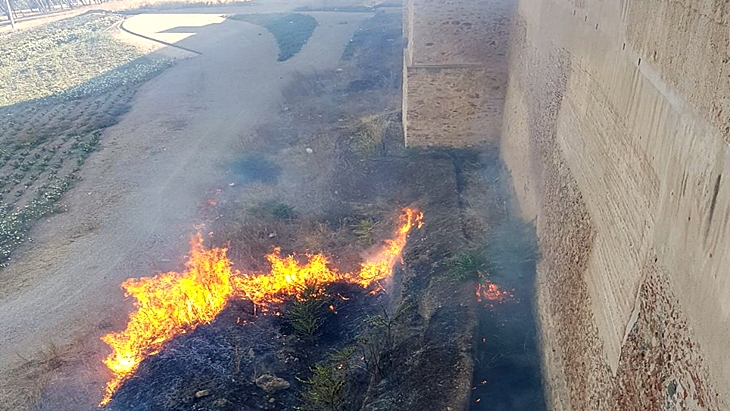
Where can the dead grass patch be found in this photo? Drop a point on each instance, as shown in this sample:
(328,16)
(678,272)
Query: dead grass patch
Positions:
(369,134)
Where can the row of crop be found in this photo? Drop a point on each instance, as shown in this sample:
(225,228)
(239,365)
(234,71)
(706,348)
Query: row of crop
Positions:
(60,85)
(16,222)
(52,59)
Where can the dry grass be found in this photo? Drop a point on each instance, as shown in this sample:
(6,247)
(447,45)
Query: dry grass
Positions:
(369,134)
(27,384)
(252,232)
(322,115)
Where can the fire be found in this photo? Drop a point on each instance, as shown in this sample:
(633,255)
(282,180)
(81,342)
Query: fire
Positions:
(167,305)
(492,293)
(286,278)
(173,303)
(382,265)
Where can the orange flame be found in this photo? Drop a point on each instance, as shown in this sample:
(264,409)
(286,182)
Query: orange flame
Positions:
(172,303)
(167,305)
(381,266)
(492,293)
(286,278)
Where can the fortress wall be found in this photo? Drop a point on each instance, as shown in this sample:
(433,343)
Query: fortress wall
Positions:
(615,135)
(614,120)
(455,71)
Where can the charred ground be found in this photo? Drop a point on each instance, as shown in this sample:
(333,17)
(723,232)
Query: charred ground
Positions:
(329,176)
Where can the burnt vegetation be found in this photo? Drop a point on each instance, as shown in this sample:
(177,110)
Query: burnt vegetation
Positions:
(337,347)
(220,366)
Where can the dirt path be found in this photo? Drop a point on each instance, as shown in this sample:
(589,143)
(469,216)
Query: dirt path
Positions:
(140,194)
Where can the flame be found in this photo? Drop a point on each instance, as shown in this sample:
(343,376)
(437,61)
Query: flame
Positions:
(173,303)
(492,293)
(381,266)
(286,278)
(167,305)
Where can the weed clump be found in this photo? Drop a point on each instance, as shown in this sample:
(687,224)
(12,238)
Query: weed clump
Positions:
(509,248)
(369,134)
(377,343)
(273,209)
(468,266)
(326,389)
(364,230)
(307,314)
(282,211)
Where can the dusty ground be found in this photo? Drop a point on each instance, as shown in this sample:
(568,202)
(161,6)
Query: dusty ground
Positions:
(140,194)
(35,20)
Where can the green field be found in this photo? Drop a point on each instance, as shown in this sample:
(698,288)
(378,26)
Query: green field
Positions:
(60,86)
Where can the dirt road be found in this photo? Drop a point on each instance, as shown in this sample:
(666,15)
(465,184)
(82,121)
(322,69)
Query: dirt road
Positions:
(139,197)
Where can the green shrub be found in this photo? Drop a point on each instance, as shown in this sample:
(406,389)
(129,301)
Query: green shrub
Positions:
(377,342)
(326,389)
(364,230)
(278,210)
(282,211)
(307,314)
(468,265)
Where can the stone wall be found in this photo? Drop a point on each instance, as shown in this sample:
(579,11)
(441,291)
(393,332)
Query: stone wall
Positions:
(616,134)
(455,71)
(615,125)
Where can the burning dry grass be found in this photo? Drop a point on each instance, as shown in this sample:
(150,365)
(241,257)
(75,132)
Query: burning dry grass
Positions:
(252,231)
(173,303)
(167,305)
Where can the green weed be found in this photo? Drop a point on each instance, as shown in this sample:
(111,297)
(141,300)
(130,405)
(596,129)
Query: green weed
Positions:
(307,314)
(364,230)
(377,342)
(326,389)
(468,265)
(282,211)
